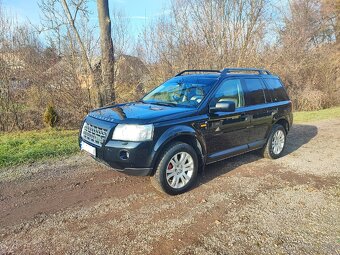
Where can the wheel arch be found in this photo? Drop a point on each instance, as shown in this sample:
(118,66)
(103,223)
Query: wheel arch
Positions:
(283,122)
(183,134)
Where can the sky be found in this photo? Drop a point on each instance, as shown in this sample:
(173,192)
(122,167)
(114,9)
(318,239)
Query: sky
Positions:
(137,11)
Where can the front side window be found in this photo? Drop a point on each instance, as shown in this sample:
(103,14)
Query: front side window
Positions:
(254,92)
(231,90)
(181,92)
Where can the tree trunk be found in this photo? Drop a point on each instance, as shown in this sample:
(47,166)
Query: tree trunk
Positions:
(106,45)
(337,25)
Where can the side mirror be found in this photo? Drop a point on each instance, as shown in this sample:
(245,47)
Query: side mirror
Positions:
(226,106)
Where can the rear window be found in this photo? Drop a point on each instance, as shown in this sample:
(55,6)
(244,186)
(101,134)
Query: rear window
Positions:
(254,92)
(277,90)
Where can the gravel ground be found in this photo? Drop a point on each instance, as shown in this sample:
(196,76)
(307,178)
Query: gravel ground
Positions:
(243,205)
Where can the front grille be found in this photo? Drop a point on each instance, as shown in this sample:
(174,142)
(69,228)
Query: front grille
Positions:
(94,134)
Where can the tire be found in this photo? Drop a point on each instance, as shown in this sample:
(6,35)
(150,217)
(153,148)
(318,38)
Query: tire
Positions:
(276,142)
(171,176)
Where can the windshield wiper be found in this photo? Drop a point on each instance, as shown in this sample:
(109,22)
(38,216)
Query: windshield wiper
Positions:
(163,103)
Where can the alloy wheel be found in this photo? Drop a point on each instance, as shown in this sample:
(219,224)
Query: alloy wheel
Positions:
(180,170)
(278,142)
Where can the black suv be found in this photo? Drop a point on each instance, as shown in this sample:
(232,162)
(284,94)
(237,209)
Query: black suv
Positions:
(196,118)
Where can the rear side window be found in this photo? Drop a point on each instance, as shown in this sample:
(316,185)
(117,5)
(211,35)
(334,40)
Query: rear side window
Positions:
(254,92)
(277,90)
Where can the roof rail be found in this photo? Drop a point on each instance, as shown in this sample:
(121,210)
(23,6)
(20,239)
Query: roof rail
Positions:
(198,70)
(230,70)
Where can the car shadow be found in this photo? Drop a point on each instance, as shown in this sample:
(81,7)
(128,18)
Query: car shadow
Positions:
(299,135)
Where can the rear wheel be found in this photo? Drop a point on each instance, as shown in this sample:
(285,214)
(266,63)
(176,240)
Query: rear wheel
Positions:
(177,169)
(276,143)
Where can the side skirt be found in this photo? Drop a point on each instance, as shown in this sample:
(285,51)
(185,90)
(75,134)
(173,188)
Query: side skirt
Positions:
(236,151)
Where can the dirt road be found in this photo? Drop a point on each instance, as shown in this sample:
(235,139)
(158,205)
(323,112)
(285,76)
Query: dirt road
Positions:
(244,205)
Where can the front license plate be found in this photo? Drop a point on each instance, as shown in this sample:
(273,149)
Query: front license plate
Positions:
(90,149)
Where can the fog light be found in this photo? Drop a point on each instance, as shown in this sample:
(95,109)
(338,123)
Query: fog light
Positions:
(124,155)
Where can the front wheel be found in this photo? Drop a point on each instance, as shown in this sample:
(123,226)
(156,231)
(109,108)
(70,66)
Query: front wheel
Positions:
(176,170)
(276,143)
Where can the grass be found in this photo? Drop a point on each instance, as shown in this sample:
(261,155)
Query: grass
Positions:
(329,113)
(30,146)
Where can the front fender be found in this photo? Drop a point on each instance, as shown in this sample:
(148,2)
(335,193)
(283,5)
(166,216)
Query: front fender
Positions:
(176,132)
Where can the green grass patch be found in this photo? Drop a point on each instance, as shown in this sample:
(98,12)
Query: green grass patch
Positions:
(317,115)
(30,146)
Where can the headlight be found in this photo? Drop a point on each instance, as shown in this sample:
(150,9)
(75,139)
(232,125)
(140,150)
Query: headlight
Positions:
(133,133)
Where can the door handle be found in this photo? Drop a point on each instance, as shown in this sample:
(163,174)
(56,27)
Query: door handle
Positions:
(245,116)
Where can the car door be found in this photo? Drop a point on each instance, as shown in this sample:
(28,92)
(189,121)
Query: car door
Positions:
(227,131)
(257,108)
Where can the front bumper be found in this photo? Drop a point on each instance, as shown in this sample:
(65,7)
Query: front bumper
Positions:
(129,171)
(138,162)
(133,158)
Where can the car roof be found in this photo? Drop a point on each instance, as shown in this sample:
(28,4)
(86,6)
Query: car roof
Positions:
(218,75)
(226,72)
(202,75)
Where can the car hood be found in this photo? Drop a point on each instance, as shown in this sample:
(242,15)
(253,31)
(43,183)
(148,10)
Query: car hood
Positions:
(139,113)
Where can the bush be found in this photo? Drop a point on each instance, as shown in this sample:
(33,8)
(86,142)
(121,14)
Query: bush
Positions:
(50,116)
(309,100)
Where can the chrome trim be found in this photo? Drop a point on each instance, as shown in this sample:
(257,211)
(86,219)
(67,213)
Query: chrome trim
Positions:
(94,134)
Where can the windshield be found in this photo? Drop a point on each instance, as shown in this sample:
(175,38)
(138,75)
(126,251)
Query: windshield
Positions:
(181,92)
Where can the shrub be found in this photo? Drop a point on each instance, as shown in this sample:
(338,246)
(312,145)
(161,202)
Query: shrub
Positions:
(50,116)
(310,100)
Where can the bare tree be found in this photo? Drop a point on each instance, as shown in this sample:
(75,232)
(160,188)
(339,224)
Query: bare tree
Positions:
(205,34)
(307,49)
(71,19)
(63,23)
